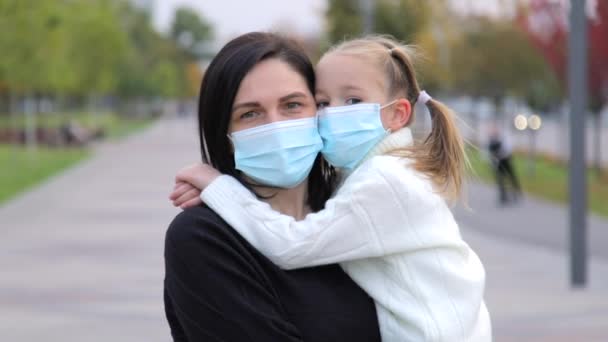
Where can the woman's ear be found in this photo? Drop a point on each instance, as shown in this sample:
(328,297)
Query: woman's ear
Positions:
(397,115)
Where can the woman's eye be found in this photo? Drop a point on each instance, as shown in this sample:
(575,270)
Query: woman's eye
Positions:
(322,104)
(353,101)
(294,105)
(248,115)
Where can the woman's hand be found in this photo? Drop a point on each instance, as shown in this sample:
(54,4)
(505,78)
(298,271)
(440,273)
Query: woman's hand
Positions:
(189,182)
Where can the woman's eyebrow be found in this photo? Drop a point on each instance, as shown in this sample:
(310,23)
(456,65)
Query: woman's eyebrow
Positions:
(245,105)
(292,96)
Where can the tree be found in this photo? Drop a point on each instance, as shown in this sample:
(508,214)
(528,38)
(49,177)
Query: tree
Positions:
(545,25)
(58,52)
(406,20)
(154,66)
(494,59)
(97,46)
(403,19)
(190,32)
(343,20)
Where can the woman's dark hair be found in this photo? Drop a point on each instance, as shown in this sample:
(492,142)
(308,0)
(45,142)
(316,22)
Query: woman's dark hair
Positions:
(218,90)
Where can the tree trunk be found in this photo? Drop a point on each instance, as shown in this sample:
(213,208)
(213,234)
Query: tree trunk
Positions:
(30,121)
(13,126)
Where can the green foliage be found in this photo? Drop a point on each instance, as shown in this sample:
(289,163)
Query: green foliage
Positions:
(93,47)
(405,20)
(190,32)
(402,19)
(495,59)
(343,20)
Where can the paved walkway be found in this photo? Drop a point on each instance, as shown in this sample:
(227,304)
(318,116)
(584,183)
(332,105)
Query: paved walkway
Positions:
(524,249)
(81,256)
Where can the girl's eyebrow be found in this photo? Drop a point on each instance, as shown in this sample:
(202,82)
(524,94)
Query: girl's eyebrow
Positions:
(320,92)
(351,87)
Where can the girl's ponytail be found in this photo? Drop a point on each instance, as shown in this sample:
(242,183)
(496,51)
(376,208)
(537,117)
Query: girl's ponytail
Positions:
(441,155)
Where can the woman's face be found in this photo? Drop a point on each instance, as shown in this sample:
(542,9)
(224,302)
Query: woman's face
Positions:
(272,91)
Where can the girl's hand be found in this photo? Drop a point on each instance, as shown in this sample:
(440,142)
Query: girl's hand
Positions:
(185,195)
(189,183)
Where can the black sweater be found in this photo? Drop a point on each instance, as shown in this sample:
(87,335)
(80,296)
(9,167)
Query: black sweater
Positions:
(219,288)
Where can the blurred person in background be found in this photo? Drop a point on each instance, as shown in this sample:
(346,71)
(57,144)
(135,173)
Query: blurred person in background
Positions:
(501,156)
(257,94)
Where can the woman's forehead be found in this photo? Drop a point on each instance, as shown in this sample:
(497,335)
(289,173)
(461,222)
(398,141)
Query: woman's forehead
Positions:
(270,79)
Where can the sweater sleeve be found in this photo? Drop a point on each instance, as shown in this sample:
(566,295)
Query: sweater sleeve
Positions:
(361,221)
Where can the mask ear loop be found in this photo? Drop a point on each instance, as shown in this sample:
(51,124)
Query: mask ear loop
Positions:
(389,104)
(389,130)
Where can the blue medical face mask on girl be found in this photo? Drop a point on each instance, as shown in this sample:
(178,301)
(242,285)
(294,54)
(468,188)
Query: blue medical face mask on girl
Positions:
(350,132)
(280,154)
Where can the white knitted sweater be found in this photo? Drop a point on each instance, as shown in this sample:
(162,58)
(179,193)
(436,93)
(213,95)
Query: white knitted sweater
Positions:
(393,235)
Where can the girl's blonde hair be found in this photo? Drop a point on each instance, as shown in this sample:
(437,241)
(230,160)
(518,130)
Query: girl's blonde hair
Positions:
(441,156)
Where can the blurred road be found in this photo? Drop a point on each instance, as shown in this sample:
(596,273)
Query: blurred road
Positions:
(530,221)
(524,248)
(81,256)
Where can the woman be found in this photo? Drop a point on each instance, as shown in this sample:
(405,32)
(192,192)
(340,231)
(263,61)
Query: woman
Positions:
(217,286)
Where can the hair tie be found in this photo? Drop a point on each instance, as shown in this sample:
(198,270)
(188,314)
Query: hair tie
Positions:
(424,97)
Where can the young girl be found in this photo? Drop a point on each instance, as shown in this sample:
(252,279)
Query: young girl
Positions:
(388,225)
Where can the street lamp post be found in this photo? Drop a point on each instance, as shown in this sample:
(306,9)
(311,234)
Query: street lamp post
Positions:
(577,84)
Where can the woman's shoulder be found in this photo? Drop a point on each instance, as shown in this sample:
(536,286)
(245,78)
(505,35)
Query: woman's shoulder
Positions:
(193,222)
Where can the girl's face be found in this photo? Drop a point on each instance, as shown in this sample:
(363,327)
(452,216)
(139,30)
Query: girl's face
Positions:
(344,80)
(272,91)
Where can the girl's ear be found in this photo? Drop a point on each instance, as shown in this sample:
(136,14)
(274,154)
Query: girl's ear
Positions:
(397,115)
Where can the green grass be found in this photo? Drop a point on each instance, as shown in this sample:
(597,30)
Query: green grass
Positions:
(21,168)
(114,125)
(550,180)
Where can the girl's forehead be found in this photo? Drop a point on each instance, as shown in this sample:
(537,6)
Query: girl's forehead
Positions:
(333,59)
(336,69)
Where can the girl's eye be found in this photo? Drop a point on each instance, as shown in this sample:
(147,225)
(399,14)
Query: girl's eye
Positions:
(352,101)
(322,104)
(248,115)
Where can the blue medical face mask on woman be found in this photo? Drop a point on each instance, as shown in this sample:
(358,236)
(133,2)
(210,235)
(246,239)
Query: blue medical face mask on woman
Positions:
(280,154)
(350,132)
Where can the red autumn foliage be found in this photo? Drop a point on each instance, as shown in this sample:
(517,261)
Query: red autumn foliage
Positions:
(546,24)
